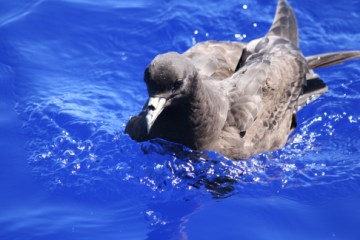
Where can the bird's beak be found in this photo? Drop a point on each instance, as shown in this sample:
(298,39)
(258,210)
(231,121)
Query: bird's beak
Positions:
(155,107)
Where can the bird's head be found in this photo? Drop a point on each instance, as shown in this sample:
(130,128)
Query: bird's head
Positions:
(169,78)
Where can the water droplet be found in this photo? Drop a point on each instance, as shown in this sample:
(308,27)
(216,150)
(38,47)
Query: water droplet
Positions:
(238,36)
(193,40)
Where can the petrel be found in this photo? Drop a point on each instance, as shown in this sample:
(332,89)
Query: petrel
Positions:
(234,98)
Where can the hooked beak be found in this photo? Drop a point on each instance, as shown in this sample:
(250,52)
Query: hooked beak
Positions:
(155,107)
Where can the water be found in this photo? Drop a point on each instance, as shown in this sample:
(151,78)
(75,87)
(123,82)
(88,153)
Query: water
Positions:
(71,76)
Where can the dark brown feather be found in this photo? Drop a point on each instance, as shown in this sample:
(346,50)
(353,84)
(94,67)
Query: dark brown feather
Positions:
(235,98)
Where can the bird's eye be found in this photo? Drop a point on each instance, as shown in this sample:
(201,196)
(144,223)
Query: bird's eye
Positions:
(177,85)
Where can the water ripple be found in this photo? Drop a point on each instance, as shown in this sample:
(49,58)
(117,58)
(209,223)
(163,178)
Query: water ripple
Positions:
(18,11)
(73,154)
(77,109)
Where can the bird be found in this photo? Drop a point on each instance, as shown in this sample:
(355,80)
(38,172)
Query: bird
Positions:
(237,99)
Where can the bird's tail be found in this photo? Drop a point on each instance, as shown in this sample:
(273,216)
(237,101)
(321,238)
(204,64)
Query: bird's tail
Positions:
(285,26)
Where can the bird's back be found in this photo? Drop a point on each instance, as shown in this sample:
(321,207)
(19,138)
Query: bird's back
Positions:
(263,99)
(215,60)
(244,97)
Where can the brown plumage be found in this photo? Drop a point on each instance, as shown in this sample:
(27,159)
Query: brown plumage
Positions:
(234,98)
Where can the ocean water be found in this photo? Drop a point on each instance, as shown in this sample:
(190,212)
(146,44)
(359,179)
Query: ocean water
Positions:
(71,75)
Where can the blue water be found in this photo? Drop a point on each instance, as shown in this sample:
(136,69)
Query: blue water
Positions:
(71,76)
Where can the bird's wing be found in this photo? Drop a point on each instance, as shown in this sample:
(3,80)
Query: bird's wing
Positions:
(284,28)
(267,85)
(216,60)
(284,24)
(330,59)
(315,87)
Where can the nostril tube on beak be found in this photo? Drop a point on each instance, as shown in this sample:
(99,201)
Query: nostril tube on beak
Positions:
(154,108)
(151,108)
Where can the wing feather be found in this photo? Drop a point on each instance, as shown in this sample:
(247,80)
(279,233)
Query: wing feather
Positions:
(284,24)
(216,60)
(267,86)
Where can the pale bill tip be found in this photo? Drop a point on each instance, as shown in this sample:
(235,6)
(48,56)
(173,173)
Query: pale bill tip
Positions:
(155,107)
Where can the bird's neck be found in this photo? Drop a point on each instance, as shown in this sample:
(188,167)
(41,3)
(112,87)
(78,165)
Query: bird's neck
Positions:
(206,109)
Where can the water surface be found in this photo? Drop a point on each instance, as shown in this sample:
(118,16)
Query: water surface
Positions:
(71,75)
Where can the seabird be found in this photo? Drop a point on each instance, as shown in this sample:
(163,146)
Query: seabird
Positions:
(234,98)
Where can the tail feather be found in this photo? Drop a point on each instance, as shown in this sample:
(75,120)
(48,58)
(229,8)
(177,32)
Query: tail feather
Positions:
(330,59)
(314,88)
(284,24)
